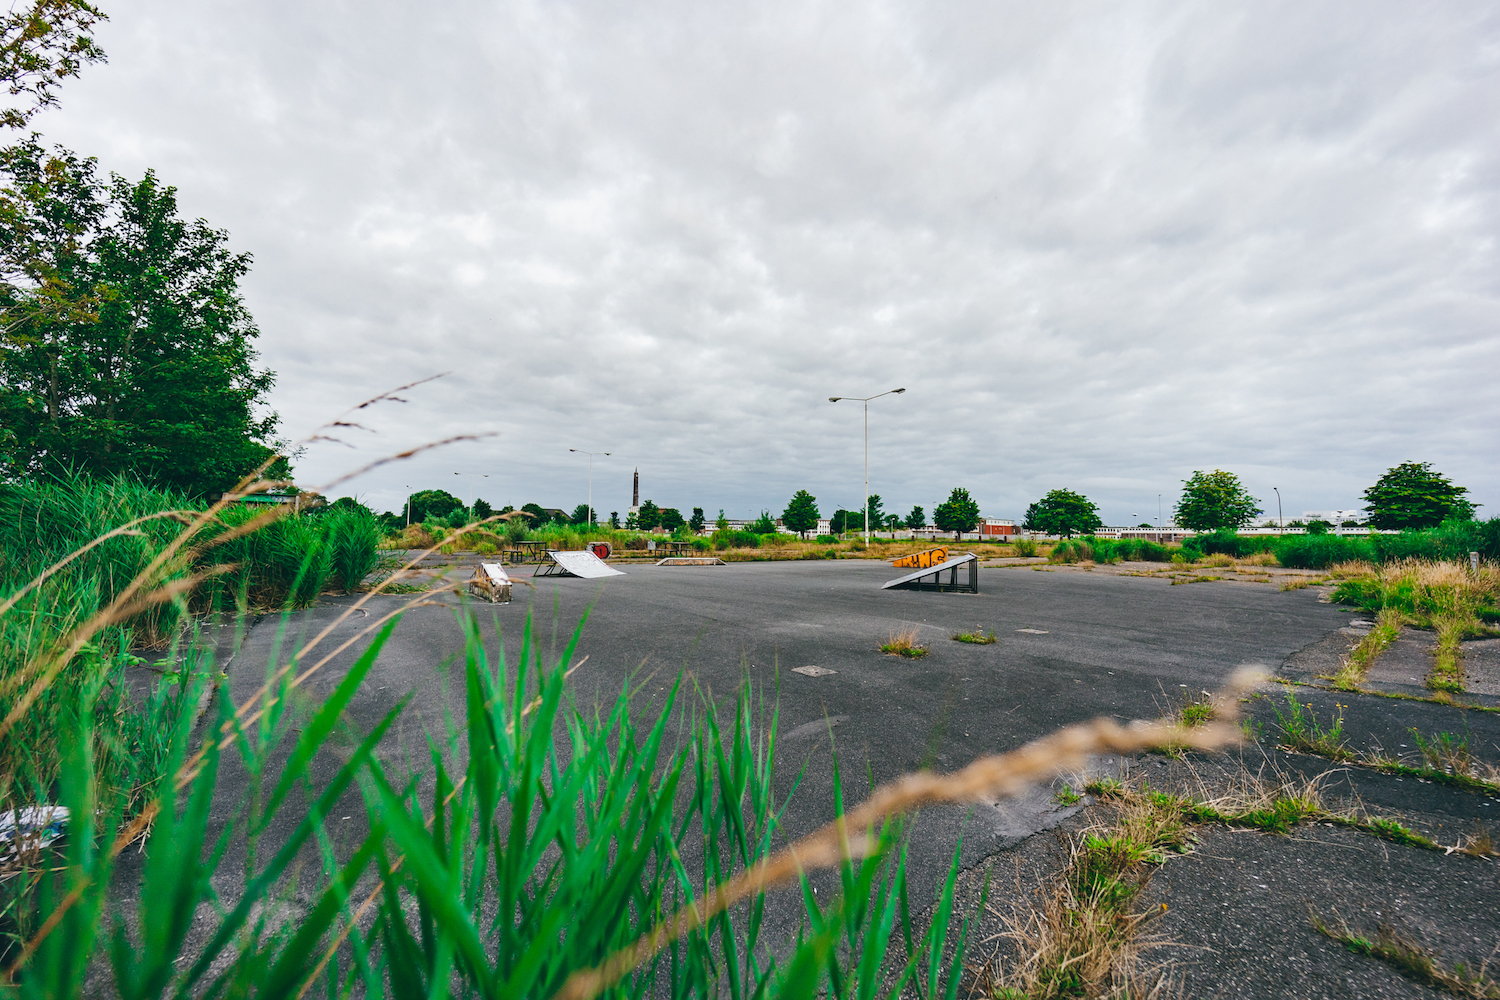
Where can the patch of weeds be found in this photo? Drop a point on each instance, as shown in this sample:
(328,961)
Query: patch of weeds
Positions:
(1478,844)
(904,643)
(1387,629)
(1066,796)
(1301,731)
(1105,788)
(1218,559)
(1447,672)
(1195,578)
(1081,936)
(976,637)
(1412,957)
(1389,829)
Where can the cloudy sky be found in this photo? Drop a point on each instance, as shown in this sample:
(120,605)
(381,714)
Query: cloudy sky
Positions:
(1100,245)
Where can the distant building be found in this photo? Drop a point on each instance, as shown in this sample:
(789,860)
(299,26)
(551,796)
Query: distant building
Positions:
(1332,516)
(995,527)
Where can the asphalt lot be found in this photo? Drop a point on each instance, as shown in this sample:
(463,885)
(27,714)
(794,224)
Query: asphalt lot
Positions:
(1096,644)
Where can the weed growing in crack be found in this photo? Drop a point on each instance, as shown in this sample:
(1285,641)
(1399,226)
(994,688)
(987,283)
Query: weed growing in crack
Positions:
(1387,629)
(976,637)
(904,643)
(1301,731)
(1412,957)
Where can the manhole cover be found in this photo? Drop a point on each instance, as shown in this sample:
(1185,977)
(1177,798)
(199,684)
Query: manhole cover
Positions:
(1033,631)
(813,670)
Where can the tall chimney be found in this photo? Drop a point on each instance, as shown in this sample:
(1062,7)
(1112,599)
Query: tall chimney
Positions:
(635,494)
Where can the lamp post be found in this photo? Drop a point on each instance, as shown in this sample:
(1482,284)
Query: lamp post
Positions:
(471,476)
(591,455)
(408,507)
(1280,522)
(865,515)
(1158,519)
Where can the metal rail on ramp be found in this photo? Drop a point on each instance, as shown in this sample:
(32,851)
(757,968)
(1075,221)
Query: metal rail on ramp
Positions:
(580,564)
(931,578)
(691,561)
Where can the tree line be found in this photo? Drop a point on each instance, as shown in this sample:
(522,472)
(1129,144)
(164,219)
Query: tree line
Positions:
(1409,496)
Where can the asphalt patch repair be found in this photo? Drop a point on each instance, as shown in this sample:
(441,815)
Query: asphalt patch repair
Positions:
(1236,914)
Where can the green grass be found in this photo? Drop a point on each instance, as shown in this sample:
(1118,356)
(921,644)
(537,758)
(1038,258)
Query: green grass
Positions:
(976,637)
(1301,731)
(1386,631)
(1411,957)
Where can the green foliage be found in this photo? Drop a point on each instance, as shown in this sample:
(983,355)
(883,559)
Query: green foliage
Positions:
(844,521)
(128,345)
(697,521)
(801,514)
(43,43)
(648,517)
(1321,551)
(1413,496)
(580,514)
(916,519)
(765,524)
(728,538)
(438,504)
(482,510)
(1450,540)
(671,519)
(1107,550)
(959,513)
(353,536)
(1215,500)
(1063,512)
(875,510)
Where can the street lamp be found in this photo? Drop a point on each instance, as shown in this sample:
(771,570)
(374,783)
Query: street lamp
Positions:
(865,516)
(408,507)
(1280,522)
(471,477)
(591,455)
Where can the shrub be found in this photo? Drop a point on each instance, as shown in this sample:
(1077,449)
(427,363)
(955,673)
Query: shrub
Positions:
(1321,551)
(353,537)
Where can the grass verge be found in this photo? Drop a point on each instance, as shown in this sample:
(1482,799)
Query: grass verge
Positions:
(1386,631)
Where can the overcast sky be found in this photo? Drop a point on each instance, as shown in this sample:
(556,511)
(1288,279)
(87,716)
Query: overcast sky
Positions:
(1100,245)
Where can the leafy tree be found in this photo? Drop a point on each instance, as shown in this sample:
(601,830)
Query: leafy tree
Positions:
(892,522)
(722,523)
(649,516)
(127,347)
(1318,527)
(959,513)
(580,514)
(41,44)
(874,511)
(801,514)
(697,521)
(482,510)
(536,513)
(1214,500)
(765,524)
(1145,524)
(1413,496)
(671,518)
(614,519)
(916,519)
(1063,512)
(436,504)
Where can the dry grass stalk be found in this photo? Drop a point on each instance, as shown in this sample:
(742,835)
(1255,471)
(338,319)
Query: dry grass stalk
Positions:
(1413,957)
(904,643)
(1387,630)
(1000,775)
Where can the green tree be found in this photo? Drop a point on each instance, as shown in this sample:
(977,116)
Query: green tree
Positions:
(722,522)
(436,504)
(1214,500)
(41,44)
(1413,496)
(801,514)
(580,514)
(614,519)
(130,351)
(671,519)
(874,512)
(916,519)
(482,509)
(648,517)
(697,521)
(536,513)
(959,513)
(765,524)
(1063,512)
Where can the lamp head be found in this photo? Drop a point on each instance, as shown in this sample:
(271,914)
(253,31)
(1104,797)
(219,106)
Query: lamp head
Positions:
(900,391)
(572,449)
(834,399)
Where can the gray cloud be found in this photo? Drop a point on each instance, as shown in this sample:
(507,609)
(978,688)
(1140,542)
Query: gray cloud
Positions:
(1101,245)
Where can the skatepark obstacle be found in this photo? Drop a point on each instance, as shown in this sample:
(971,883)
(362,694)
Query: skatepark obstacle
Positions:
(581,564)
(600,549)
(931,577)
(491,583)
(691,561)
(923,559)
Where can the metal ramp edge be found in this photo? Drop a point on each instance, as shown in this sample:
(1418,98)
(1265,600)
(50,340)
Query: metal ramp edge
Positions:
(584,565)
(917,581)
(691,561)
